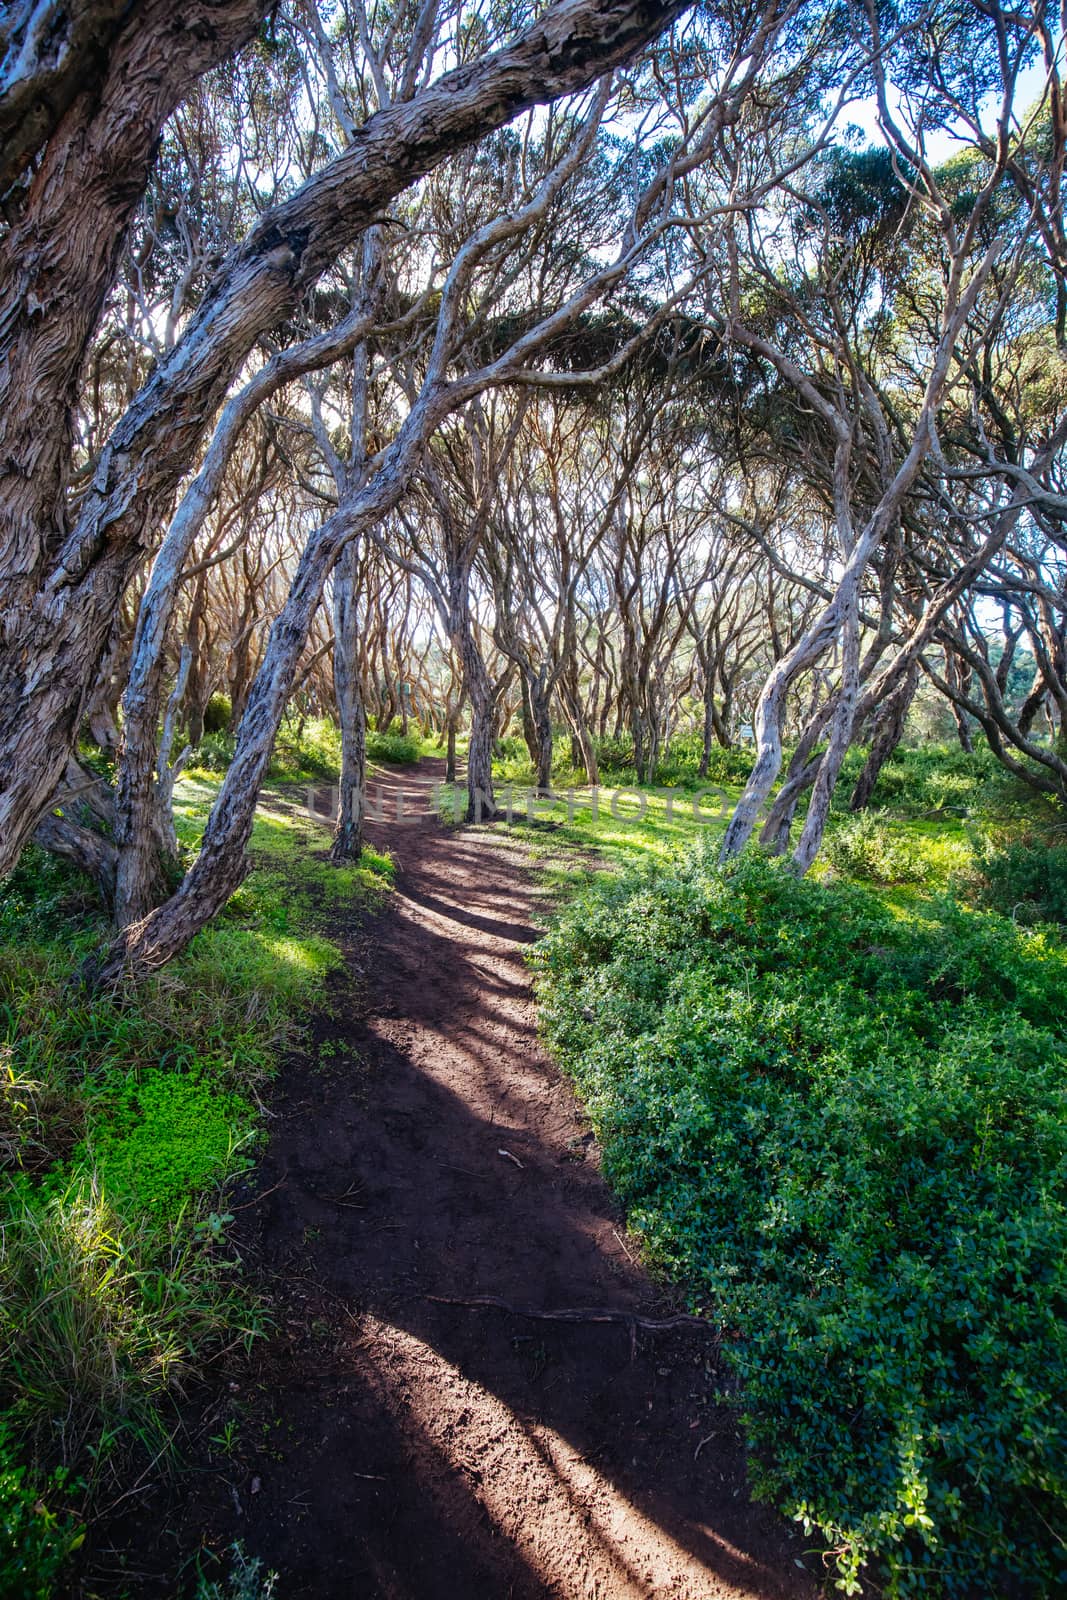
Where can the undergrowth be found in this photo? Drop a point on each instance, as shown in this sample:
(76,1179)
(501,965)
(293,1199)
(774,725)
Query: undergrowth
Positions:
(307,752)
(123,1120)
(842,1126)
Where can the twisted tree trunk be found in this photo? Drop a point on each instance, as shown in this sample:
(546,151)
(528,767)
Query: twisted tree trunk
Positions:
(63,570)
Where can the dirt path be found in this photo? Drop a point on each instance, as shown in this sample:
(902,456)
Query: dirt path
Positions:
(395,1441)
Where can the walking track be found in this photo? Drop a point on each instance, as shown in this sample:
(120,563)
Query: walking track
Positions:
(397,1438)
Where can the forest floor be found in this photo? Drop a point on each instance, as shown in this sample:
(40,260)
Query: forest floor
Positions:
(422,1424)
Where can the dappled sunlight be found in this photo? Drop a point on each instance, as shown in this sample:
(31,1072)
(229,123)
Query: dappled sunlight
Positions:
(572,1526)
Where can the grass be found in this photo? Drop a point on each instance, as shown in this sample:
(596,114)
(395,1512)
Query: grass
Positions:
(123,1121)
(905,850)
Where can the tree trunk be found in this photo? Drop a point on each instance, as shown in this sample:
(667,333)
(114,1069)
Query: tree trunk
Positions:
(144,821)
(587,756)
(529,730)
(541,721)
(888,731)
(644,743)
(351,712)
(481,804)
(840,738)
(77,825)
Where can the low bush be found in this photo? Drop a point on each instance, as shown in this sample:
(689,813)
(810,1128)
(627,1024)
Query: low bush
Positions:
(402,748)
(615,756)
(35,1543)
(307,749)
(218,714)
(213,754)
(844,1130)
(679,763)
(935,779)
(1025,879)
(247,1580)
(875,849)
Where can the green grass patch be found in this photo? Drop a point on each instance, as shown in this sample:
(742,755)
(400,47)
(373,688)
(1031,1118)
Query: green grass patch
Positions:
(626,824)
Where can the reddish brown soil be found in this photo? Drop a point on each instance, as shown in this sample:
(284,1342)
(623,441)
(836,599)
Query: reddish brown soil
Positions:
(392,1440)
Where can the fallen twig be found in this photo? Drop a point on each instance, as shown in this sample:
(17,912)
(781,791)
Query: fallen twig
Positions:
(509,1157)
(625,1247)
(629,1319)
(255,1202)
(466,1171)
(348,1198)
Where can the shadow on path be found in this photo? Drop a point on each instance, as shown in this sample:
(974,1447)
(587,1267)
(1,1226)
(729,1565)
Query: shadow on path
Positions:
(395,1439)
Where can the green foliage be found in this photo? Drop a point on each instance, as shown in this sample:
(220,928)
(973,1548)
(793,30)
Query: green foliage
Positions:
(310,750)
(845,1130)
(680,763)
(121,1121)
(933,780)
(155,1143)
(213,754)
(247,1580)
(42,893)
(218,714)
(1026,880)
(861,192)
(616,757)
(873,848)
(403,749)
(303,752)
(34,1541)
(97,1316)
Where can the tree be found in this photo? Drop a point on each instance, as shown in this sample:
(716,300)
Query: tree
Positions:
(66,557)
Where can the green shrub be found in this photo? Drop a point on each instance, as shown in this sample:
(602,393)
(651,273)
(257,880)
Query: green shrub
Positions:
(310,750)
(44,892)
(247,1580)
(679,763)
(868,847)
(401,748)
(1025,880)
(511,748)
(213,754)
(846,1132)
(218,714)
(34,1541)
(615,756)
(931,780)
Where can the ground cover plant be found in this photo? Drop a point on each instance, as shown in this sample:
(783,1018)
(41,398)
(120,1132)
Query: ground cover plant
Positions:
(124,1118)
(1025,878)
(841,1125)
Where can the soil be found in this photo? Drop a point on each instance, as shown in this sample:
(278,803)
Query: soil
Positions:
(423,1425)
